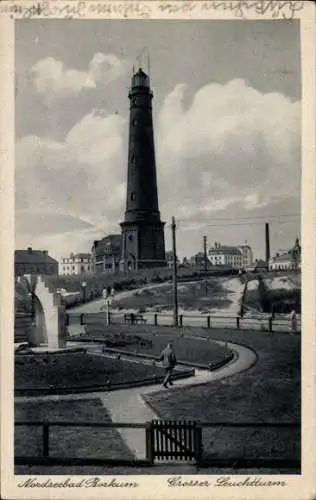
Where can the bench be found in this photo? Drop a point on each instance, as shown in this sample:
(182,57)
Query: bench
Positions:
(134,319)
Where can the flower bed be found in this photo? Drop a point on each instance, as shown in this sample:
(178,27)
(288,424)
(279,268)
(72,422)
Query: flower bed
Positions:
(71,372)
(151,341)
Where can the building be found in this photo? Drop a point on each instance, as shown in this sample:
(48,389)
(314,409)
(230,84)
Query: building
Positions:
(143,241)
(260,266)
(79,263)
(223,255)
(37,262)
(169,258)
(106,254)
(247,255)
(283,262)
(198,260)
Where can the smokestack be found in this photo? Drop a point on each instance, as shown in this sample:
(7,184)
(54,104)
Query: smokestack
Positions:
(267,242)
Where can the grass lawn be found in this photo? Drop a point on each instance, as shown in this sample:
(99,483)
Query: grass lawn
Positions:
(269,391)
(72,441)
(77,369)
(191,296)
(155,339)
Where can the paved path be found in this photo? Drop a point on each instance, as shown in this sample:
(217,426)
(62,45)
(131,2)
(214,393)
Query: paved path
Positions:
(97,305)
(128,405)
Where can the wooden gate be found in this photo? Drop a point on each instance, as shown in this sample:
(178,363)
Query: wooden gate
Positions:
(174,440)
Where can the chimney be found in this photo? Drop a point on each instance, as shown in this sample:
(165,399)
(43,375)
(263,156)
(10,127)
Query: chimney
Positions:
(45,252)
(29,249)
(267,238)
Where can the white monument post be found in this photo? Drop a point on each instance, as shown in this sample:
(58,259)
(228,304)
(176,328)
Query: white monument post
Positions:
(49,315)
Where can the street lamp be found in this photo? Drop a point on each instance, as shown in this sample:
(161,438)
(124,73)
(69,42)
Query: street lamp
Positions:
(107,302)
(84,286)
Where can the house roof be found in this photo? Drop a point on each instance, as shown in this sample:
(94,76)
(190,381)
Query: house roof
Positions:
(260,263)
(111,240)
(282,258)
(82,255)
(197,256)
(224,250)
(31,256)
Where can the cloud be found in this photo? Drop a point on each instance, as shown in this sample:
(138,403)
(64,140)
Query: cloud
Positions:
(53,80)
(232,143)
(81,177)
(232,152)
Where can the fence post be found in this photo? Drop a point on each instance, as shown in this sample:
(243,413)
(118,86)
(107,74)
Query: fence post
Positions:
(181,320)
(238,322)
(149,443)
(270,325)
(45,440)
(155,319)
(198,444)
(208,321)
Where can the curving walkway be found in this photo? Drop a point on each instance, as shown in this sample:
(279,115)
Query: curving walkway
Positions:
(128,405)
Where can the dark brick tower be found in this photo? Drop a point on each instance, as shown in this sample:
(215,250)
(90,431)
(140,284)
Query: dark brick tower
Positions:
(143,242)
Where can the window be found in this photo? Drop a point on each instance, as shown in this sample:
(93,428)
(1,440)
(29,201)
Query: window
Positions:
(130,237)
(133,196)
(133,159)
(134,122)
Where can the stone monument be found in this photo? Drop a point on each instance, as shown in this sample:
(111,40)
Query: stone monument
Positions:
(49,315)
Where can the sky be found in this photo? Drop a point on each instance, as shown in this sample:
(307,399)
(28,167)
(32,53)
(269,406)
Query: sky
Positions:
(227,127)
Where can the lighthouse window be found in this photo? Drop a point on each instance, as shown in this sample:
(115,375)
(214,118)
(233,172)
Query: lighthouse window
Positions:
(133,196)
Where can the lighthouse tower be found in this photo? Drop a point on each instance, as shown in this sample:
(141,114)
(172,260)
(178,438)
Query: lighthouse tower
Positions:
(143,242)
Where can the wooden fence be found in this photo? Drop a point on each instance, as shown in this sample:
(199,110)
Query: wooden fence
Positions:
(165,440)
(94,321)
(174,440)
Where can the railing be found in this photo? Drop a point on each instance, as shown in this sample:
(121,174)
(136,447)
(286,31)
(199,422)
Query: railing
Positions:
(264,323)
(47,459)
(162,440)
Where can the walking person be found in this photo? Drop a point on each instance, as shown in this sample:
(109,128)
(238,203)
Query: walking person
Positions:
(293,318)
(169,361)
